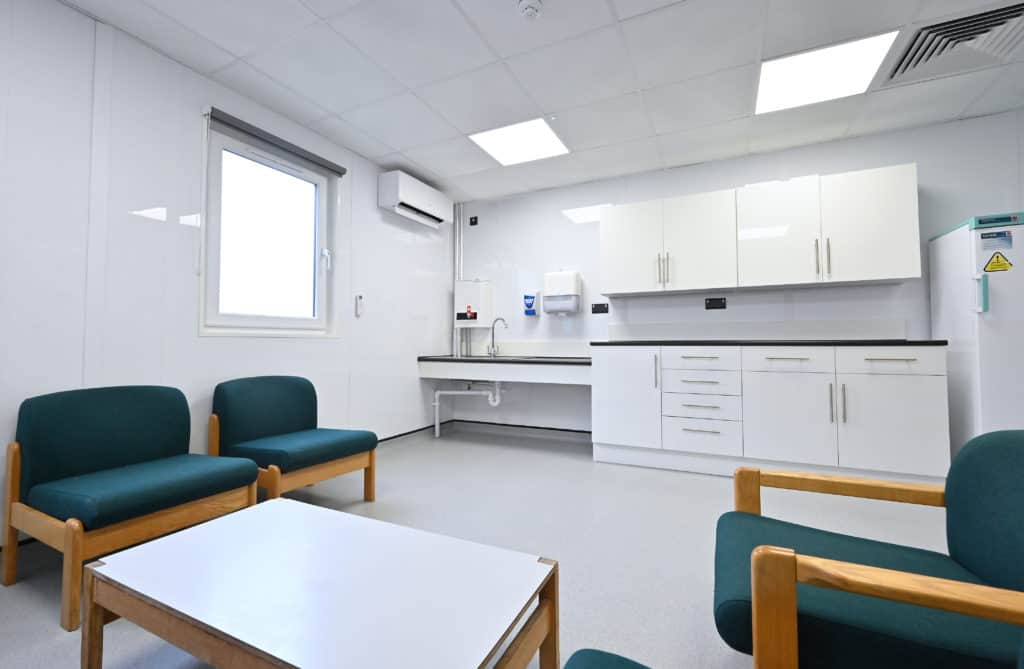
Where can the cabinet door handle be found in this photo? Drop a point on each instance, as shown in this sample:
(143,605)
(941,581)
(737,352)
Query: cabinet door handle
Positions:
(655,370)
(844,402)
(890,359)
(831,404)
(699,357)
(699,381)
(701,406)
(661,272)
(783,357)
(817,257)
(828,255)
(668,269)
(693,429)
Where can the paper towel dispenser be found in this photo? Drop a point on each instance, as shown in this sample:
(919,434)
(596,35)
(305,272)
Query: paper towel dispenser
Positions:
(562,292)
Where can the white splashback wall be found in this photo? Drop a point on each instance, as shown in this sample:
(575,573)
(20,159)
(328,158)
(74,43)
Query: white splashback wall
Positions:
(964,168)
(95,125)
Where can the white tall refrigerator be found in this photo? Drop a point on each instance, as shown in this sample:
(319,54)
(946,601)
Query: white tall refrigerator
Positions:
(977,303)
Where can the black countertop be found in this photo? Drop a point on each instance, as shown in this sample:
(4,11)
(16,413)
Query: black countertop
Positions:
(509,359)
(763,342)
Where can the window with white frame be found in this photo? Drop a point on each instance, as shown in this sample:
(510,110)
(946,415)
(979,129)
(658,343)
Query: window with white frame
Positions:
(267,260)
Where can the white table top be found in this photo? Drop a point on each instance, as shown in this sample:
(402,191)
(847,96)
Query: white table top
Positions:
(320,588)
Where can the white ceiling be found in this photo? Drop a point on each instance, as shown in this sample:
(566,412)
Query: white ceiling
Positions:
(629,85)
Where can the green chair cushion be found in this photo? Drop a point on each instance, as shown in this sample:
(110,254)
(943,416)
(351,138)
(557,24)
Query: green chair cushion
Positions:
(597,659)
(299,450)
(984,497)
(839,630)
(82,431)
(113,495)
(263,406)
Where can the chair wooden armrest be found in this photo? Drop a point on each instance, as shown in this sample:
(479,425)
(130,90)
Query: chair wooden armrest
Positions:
(748,482)
(775,573)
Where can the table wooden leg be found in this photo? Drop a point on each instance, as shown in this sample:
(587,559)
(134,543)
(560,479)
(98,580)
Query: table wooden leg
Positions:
(92,627)
(549,654)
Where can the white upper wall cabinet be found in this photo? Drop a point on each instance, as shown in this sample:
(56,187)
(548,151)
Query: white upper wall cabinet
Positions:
(632,245)
(869,222)
(778,230)
(855,226)
(700,241)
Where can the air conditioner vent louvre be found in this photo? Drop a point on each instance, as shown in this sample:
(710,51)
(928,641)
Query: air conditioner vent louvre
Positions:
(961,44)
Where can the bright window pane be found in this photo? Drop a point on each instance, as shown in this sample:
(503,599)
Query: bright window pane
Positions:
(268,245)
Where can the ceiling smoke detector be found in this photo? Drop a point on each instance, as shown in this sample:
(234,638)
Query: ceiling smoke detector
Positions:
(530,8)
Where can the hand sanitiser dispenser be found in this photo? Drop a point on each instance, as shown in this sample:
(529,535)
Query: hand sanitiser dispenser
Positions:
(562,292)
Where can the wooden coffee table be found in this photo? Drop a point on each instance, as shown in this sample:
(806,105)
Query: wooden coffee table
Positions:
(287,584)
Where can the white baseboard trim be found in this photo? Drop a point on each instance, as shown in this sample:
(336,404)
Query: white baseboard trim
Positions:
(720,465)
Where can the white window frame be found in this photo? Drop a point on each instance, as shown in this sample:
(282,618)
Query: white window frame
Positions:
(216,323)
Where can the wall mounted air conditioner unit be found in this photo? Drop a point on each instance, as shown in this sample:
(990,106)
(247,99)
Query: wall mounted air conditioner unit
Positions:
(409,197)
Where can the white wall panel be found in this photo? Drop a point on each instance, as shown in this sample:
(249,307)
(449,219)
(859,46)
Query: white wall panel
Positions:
(92,294)
(46,54)
(964,168)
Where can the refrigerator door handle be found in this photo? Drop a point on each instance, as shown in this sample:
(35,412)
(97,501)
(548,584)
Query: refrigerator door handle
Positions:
(982,280)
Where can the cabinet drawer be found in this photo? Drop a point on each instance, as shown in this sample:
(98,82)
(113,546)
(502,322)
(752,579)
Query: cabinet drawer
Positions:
(789,359)
(922,360)
(687,405)
(701,382)
(718,437)
(701,357)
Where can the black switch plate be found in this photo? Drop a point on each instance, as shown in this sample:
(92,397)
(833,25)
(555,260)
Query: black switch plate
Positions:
(714,303)
(473,220)
(600,308)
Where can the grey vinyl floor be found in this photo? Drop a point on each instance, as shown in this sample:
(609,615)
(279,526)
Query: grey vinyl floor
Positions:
(635,546)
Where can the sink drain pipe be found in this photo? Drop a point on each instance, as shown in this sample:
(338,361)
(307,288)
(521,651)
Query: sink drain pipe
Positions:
(493,398)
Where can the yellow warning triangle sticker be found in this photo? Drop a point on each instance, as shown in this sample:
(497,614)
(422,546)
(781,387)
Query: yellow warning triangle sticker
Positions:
(998,263)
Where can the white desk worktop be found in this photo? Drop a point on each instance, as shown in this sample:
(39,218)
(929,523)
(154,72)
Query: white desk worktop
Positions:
(321,588)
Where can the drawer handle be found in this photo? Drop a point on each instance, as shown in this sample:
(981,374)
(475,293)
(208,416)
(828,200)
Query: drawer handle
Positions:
(890,359)
(699,381)
(699,357)
(781,357)
(701,406)
(694,429)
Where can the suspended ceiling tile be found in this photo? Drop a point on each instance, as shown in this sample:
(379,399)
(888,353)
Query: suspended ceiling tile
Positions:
(715,142)
(321,65)
(601,123)
(820,122)
(239,26)
(418,42)
(452,157)
(714,98)
(480,100)
(403,122)
(799,25)
(626,158)
(344,133)
(694,38)
(510,33)
(576,72)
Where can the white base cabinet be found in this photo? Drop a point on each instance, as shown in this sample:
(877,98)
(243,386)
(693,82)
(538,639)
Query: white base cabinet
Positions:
(876,409)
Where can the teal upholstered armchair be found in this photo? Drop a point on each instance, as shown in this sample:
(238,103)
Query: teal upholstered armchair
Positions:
(93,471)
(815,599)
(272,420)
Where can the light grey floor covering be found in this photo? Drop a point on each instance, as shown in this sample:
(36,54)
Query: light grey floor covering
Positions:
(635,545)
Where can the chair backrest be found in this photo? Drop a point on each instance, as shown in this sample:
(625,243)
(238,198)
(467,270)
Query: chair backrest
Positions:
(83,431)
(984,503)
(263,406)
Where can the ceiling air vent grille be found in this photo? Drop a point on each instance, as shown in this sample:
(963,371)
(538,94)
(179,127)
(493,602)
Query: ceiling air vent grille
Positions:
(962,44)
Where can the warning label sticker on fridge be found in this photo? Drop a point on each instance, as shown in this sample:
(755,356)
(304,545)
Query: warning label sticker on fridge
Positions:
(994,241)
(998,263)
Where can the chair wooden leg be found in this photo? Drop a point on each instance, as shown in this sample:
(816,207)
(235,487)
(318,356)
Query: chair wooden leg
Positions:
(10,571)
(370,478)
(252,493)
(10,534)
(71,585)
(273,482)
